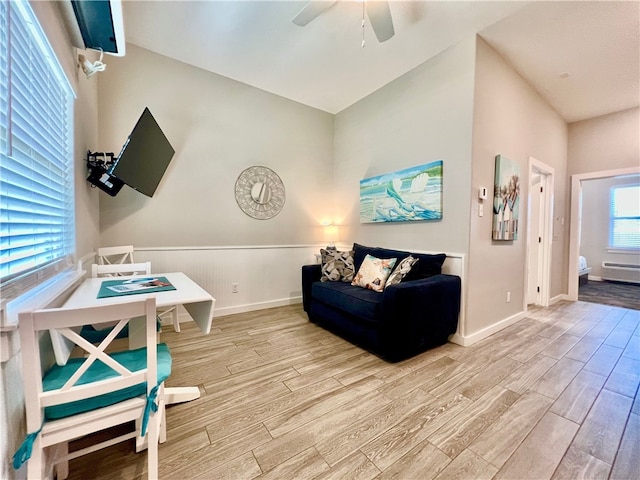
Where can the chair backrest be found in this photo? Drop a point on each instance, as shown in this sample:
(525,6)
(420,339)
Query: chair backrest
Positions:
(63,320)
(115,255)
(116,270)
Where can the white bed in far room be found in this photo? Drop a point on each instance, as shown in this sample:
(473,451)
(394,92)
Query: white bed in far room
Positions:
(583,271)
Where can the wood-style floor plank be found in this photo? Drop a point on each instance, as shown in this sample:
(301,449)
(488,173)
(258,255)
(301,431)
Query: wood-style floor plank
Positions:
(498,442)
(578,464)
(601,431)
(627,462)
(423,461)
(549,440)
(577,399)
(454,436)
(468,465)
(389,447)
(554,395)
(558,377)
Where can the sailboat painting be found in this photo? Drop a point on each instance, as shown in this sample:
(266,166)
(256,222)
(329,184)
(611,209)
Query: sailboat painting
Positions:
(406,195)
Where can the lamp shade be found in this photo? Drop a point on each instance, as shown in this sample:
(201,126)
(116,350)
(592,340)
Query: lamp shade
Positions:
(331,233)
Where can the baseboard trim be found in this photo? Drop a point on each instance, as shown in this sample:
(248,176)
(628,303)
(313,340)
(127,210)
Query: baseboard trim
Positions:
(468,340)
(558,298)
(183,316)
(281,302)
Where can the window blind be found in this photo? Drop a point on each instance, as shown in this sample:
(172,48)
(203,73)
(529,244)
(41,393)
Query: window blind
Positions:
(624,229)
(37,227)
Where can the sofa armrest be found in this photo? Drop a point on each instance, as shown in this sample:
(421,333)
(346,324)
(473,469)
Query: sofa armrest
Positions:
(420,312)
(310,274)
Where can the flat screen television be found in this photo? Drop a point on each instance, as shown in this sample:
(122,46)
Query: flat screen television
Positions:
(144,157)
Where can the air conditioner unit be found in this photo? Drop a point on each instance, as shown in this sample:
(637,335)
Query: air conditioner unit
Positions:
(621,272)
(95,24)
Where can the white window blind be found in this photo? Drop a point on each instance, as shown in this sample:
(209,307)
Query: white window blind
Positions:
(624,227)
(37,228)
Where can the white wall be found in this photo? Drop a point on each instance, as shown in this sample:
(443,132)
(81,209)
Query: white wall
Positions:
(594,232)
(423,116)
(510,119)
(218,127)
(609,142)
(12,427)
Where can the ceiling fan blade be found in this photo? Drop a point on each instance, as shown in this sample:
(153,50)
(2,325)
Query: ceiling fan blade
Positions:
(380,18)
(310,11)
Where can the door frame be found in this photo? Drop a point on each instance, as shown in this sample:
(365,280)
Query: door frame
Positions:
(576,221)
(546,221)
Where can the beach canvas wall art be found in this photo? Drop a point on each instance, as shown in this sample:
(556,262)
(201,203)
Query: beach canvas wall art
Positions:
(506,199)
(406,195)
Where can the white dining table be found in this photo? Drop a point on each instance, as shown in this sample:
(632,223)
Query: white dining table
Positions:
(198,303)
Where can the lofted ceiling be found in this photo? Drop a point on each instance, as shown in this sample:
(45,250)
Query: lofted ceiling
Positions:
(582,57)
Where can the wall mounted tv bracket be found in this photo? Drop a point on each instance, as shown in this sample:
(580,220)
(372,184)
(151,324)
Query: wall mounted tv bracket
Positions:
(99,164)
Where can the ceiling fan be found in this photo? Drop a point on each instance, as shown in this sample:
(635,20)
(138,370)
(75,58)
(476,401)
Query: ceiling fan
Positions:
(377,11)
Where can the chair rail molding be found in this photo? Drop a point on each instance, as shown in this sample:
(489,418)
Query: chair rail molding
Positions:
(264,276)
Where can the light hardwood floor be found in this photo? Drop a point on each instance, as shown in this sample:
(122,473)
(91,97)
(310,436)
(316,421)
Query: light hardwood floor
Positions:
(553,396)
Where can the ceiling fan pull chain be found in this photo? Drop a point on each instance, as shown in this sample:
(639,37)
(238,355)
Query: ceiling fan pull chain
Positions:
(363,23)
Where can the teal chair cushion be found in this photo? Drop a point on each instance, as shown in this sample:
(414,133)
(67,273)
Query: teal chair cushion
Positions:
(91,334)
(134,360)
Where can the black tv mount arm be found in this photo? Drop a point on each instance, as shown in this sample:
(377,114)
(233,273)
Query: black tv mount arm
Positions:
(100,160)
(99,164)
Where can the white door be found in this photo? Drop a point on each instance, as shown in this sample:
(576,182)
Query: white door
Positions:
(535,243)
(539,231)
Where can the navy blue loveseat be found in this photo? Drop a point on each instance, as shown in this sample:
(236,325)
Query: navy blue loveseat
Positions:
(419,313)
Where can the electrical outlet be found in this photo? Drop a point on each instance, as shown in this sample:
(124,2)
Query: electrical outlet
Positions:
(234,288)
(508,297)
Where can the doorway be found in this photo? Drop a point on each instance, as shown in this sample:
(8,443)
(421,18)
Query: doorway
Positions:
(539,222)
(576,221)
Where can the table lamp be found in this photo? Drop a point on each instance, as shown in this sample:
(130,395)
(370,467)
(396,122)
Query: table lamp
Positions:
(331,234)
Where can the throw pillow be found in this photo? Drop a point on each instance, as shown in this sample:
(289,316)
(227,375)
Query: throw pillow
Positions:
(373,273)
(401,271)
(429,265)
(336,265)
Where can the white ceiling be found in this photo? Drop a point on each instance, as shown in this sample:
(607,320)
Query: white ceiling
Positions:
(324,66)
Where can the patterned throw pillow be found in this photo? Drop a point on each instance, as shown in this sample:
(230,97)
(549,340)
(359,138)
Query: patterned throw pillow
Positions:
(373,273)
(401,271)
(337,265)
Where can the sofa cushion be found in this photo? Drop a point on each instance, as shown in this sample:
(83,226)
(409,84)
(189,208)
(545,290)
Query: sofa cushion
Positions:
(337,265)
(360,302)
(373,273)
(402,270)
(427,266)
(361,251)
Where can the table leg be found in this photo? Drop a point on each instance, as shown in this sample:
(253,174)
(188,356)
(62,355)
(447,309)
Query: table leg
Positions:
(180,394)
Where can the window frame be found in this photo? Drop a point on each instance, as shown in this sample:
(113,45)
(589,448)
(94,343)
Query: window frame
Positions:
(18,283)
(612,245)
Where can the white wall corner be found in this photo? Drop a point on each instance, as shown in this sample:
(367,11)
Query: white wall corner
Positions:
(9,344)
(559,298)
(467,340)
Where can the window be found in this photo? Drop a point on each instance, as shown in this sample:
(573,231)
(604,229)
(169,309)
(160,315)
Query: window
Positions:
(624,227)
(37,228)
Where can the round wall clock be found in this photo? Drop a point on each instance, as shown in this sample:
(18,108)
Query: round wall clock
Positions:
(260,193)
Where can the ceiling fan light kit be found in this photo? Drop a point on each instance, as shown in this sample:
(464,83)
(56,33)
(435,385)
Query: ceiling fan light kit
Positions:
(378,12)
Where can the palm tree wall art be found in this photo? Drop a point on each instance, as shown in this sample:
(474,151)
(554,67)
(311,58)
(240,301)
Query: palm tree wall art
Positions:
(506,199)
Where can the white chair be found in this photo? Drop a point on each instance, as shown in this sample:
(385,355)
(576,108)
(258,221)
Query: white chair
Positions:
(124,254)
(89,332)
(120,269)
(91,393)
(115,255)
